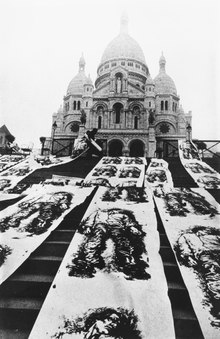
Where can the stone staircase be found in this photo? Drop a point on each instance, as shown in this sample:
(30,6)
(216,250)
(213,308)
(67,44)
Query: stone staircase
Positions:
(77,168)
(180,176)
(23,293)
(185,321)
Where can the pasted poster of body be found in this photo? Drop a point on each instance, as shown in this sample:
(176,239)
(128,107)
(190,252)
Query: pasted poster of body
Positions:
(111,160)
(158,174)
(129,172)
(7,161)
(191,220)
(113,274)
(183,201)
(198,248)
(104,322)
(36,215)
(113,242)
(209,181)
(117,171)
(199,167)
(105,170)
(26,224)
(134,161)
(202,173)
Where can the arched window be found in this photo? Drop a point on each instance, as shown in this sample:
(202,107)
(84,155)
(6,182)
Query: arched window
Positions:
(149,104)
(86,103)
(173,106)
(100,109)
(99,122)
(161,105)
(78,105)
(74,105)
(136,122)
(166,105)
(117,108)
(136,110)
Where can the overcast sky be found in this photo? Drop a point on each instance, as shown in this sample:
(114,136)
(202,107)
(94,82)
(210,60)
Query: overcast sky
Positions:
(42,40)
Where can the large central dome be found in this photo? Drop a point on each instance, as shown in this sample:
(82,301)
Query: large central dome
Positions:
(123,46)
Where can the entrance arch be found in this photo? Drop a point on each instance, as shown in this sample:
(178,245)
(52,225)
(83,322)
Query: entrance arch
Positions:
(136,148)
(115,148)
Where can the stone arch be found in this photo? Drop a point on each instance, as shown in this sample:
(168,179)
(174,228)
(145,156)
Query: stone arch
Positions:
(136,148)
(100,109)
(115,148)
(132,106)
(100,104)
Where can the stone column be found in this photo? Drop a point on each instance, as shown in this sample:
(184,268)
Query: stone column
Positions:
(123,119)
(125,152)
(125,122)
(151,142)
(81,131)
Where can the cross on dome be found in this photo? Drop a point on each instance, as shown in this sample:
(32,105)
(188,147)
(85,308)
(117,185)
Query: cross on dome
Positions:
(82,63)
(124,23)
(162,63)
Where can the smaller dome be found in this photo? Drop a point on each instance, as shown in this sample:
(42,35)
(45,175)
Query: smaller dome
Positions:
(89,81)
(76,84)
(164,84)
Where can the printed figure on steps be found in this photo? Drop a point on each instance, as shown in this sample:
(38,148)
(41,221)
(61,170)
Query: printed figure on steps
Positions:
(102,323)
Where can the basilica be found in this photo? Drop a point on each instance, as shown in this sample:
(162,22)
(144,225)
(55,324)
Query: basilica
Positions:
(135,114)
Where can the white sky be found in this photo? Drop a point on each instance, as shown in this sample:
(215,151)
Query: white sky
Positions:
(42,40)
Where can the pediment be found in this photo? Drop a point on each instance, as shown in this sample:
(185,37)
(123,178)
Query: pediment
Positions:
(133,89)
(102,90)
(119,69)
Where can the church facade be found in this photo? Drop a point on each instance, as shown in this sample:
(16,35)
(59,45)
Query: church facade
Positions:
(135,114)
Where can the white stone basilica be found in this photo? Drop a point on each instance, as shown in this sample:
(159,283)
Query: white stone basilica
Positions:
(135,115)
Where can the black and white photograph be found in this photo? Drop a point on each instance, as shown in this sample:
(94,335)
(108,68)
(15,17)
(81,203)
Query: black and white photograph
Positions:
(109,169)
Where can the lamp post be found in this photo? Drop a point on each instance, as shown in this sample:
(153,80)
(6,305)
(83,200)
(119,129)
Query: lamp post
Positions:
(42,140)
(188,139)
(189,131)
(54,127)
